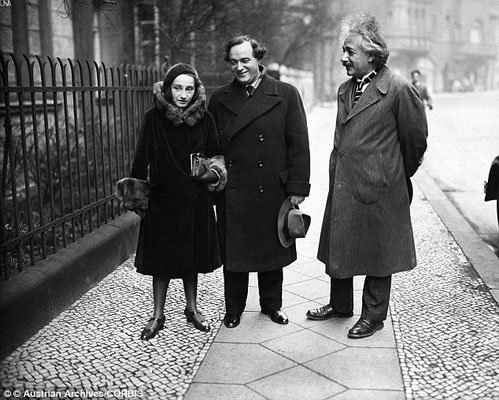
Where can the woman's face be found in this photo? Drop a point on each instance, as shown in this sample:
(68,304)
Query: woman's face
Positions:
(183,90)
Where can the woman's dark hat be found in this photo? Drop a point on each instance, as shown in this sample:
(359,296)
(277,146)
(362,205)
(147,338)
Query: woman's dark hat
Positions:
(291,224)
(176,70)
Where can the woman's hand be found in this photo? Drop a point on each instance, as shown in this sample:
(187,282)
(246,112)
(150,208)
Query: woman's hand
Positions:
(295,200)
(210,176)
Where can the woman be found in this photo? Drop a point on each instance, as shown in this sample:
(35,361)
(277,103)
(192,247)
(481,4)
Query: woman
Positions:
(177,237)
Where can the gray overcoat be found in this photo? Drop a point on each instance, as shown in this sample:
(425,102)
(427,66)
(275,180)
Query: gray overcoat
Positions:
(379,144)
(264,139)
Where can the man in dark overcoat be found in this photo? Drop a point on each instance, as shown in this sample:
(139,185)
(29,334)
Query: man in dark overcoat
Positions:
(422,88)
(263,134)
(379,142)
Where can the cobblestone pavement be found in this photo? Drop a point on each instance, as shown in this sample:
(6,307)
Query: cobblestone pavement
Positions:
(440,341)
(445,320)
(95,344)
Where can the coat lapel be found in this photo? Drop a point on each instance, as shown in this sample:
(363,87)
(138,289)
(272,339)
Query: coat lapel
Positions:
(264,99)
(233,98)
(372,94)
(345,95)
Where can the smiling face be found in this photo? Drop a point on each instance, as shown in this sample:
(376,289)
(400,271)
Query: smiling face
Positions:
(183,89)
(243,64)
(354,59)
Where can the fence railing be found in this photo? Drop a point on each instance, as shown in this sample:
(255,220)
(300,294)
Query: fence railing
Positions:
(69,130)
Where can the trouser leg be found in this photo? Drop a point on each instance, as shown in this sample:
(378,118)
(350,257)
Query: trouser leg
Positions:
(270,289)
(375,297)
(235,291)
(342,295)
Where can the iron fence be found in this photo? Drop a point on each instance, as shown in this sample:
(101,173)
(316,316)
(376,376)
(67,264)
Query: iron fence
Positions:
(70,130)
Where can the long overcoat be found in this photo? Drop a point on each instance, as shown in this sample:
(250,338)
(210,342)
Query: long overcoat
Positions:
(379,144)
(178,236)
(264,139)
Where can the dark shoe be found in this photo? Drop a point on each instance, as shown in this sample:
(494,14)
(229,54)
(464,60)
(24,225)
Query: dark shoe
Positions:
(326,312)
(149,333)
(277,316)
(232,320)
(364,328)
(197,319)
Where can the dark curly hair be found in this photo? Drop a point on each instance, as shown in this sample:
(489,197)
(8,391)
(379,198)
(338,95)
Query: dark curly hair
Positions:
(259,50)
(373,42)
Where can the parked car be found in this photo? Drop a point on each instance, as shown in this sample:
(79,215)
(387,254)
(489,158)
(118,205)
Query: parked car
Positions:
(491,187)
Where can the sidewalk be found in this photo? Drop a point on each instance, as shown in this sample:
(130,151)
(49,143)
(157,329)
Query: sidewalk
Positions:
(439,342)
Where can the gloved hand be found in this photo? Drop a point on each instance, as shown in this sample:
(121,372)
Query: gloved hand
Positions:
(210,176)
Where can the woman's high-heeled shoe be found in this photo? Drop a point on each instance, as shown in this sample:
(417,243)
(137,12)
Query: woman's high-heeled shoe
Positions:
(148,333)
(199,323)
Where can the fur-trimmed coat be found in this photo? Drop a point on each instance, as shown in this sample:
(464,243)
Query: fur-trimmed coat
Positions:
(178,234)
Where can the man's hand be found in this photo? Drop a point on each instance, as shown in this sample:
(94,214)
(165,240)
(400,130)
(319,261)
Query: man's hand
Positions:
(295,200)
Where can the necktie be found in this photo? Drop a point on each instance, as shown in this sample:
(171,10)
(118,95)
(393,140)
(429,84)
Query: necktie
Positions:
(250,89)
(360,85)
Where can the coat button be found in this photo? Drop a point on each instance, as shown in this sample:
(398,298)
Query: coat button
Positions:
(228,139)
(231,164)
(260,164)
(261,138)
(260,189)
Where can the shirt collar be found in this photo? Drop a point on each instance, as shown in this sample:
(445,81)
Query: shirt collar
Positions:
(368,77)
(262,71)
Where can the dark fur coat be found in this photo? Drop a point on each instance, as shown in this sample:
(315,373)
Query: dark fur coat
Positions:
(178,235)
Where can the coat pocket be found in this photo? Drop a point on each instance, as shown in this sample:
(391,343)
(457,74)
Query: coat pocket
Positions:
(367,180)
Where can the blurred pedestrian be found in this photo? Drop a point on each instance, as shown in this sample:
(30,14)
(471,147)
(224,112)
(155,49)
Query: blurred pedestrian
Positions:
(422,89)
(178,237)
(263,132)
(379,141)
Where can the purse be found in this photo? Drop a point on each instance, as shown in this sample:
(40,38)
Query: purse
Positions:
(133,195)
(199,165)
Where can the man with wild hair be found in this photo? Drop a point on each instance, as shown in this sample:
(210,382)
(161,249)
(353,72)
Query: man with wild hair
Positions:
(379,142)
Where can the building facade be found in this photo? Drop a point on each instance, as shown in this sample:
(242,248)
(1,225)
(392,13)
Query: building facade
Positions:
(454,43)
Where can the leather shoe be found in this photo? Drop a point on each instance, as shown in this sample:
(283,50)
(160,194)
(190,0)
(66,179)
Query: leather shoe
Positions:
(364,328)
(326,312)
(277,316)
(197,319)
(232,320)
(148,333)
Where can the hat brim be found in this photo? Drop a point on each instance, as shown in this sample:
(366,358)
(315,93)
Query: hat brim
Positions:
(285,208)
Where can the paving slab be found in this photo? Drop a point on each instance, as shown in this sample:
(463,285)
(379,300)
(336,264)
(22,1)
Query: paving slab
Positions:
(240,363)
(290,384)
(361,368)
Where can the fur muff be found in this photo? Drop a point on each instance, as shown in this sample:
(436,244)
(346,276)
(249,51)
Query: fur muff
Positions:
(217,164)
(133,195)
(190,115)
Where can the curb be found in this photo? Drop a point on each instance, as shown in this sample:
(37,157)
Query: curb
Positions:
(481,257)
(32,298)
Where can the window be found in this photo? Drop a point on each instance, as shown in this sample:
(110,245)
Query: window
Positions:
(476,32)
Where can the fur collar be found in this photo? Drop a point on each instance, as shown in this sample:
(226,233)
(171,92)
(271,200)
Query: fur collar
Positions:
(190,115)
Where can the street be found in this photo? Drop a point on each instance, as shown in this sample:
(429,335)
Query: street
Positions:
(463,140)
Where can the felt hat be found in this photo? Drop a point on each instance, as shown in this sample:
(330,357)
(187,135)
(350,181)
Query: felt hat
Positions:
(291,224)
(176,70)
